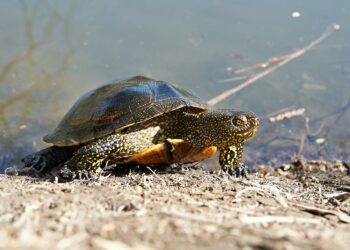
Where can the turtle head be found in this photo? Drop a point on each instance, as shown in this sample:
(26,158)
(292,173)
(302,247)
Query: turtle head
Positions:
(224,127)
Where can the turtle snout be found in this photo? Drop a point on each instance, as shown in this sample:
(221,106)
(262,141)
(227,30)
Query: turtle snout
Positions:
(252,118)
(256,121)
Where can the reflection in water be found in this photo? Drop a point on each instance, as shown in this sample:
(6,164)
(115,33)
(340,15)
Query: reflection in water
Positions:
(54,51)
(18,103)
(291,134)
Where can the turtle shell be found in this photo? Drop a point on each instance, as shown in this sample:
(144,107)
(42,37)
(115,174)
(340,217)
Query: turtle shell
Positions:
(120,104)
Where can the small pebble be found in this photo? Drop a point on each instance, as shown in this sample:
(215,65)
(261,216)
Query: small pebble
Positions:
(336,27)
(296,14)
(320,141)
(11,171)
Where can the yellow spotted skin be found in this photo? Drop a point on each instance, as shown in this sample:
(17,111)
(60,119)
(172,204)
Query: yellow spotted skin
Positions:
(225,129)
(115,146)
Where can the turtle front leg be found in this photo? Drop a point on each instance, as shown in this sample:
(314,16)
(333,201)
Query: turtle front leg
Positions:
(230,160)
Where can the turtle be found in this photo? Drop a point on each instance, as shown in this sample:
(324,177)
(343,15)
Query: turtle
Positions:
(143,121)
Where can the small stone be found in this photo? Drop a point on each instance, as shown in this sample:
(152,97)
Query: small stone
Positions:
(296,14)
(11,171)
(320,141)
(336,27)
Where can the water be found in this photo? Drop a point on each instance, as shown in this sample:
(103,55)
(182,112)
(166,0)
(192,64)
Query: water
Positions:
(53,51)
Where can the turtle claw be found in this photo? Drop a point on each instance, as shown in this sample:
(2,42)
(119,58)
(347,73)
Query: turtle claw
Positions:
(239,171)
(68,174)
(34,162)
(242,171)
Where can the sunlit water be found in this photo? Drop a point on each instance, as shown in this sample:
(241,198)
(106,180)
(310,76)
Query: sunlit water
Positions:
(54,51)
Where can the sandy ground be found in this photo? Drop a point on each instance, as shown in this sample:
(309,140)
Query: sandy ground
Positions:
(184,209)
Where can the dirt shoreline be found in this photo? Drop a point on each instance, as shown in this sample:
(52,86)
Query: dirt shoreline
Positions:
(188,209)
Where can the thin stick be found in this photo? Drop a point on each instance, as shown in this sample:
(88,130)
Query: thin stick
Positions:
(304,135)
(290,57)
(233,79)
(287,115)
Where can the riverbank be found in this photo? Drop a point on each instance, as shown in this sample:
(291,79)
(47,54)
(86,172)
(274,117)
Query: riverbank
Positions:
(190,209)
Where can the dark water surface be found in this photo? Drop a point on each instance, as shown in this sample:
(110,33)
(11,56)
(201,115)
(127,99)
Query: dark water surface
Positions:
(53,51)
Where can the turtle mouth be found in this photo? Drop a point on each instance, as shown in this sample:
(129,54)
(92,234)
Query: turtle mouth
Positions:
(252,127)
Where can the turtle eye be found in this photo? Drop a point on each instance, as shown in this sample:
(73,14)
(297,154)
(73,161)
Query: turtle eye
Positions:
(239,120)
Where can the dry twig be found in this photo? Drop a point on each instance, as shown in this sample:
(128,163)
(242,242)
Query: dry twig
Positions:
(286,59)
(287,115)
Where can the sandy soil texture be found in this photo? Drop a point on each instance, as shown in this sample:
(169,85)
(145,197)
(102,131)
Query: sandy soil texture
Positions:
(186,209)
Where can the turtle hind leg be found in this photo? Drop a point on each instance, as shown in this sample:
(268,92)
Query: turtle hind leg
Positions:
(89,157)
(116,146)
(44,161)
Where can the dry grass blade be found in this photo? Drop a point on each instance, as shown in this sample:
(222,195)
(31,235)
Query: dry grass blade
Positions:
(157,176)
(268,189)
(192,217)
(278,219)
(322,212)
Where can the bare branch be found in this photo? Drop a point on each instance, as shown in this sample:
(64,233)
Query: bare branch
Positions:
(286,59)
